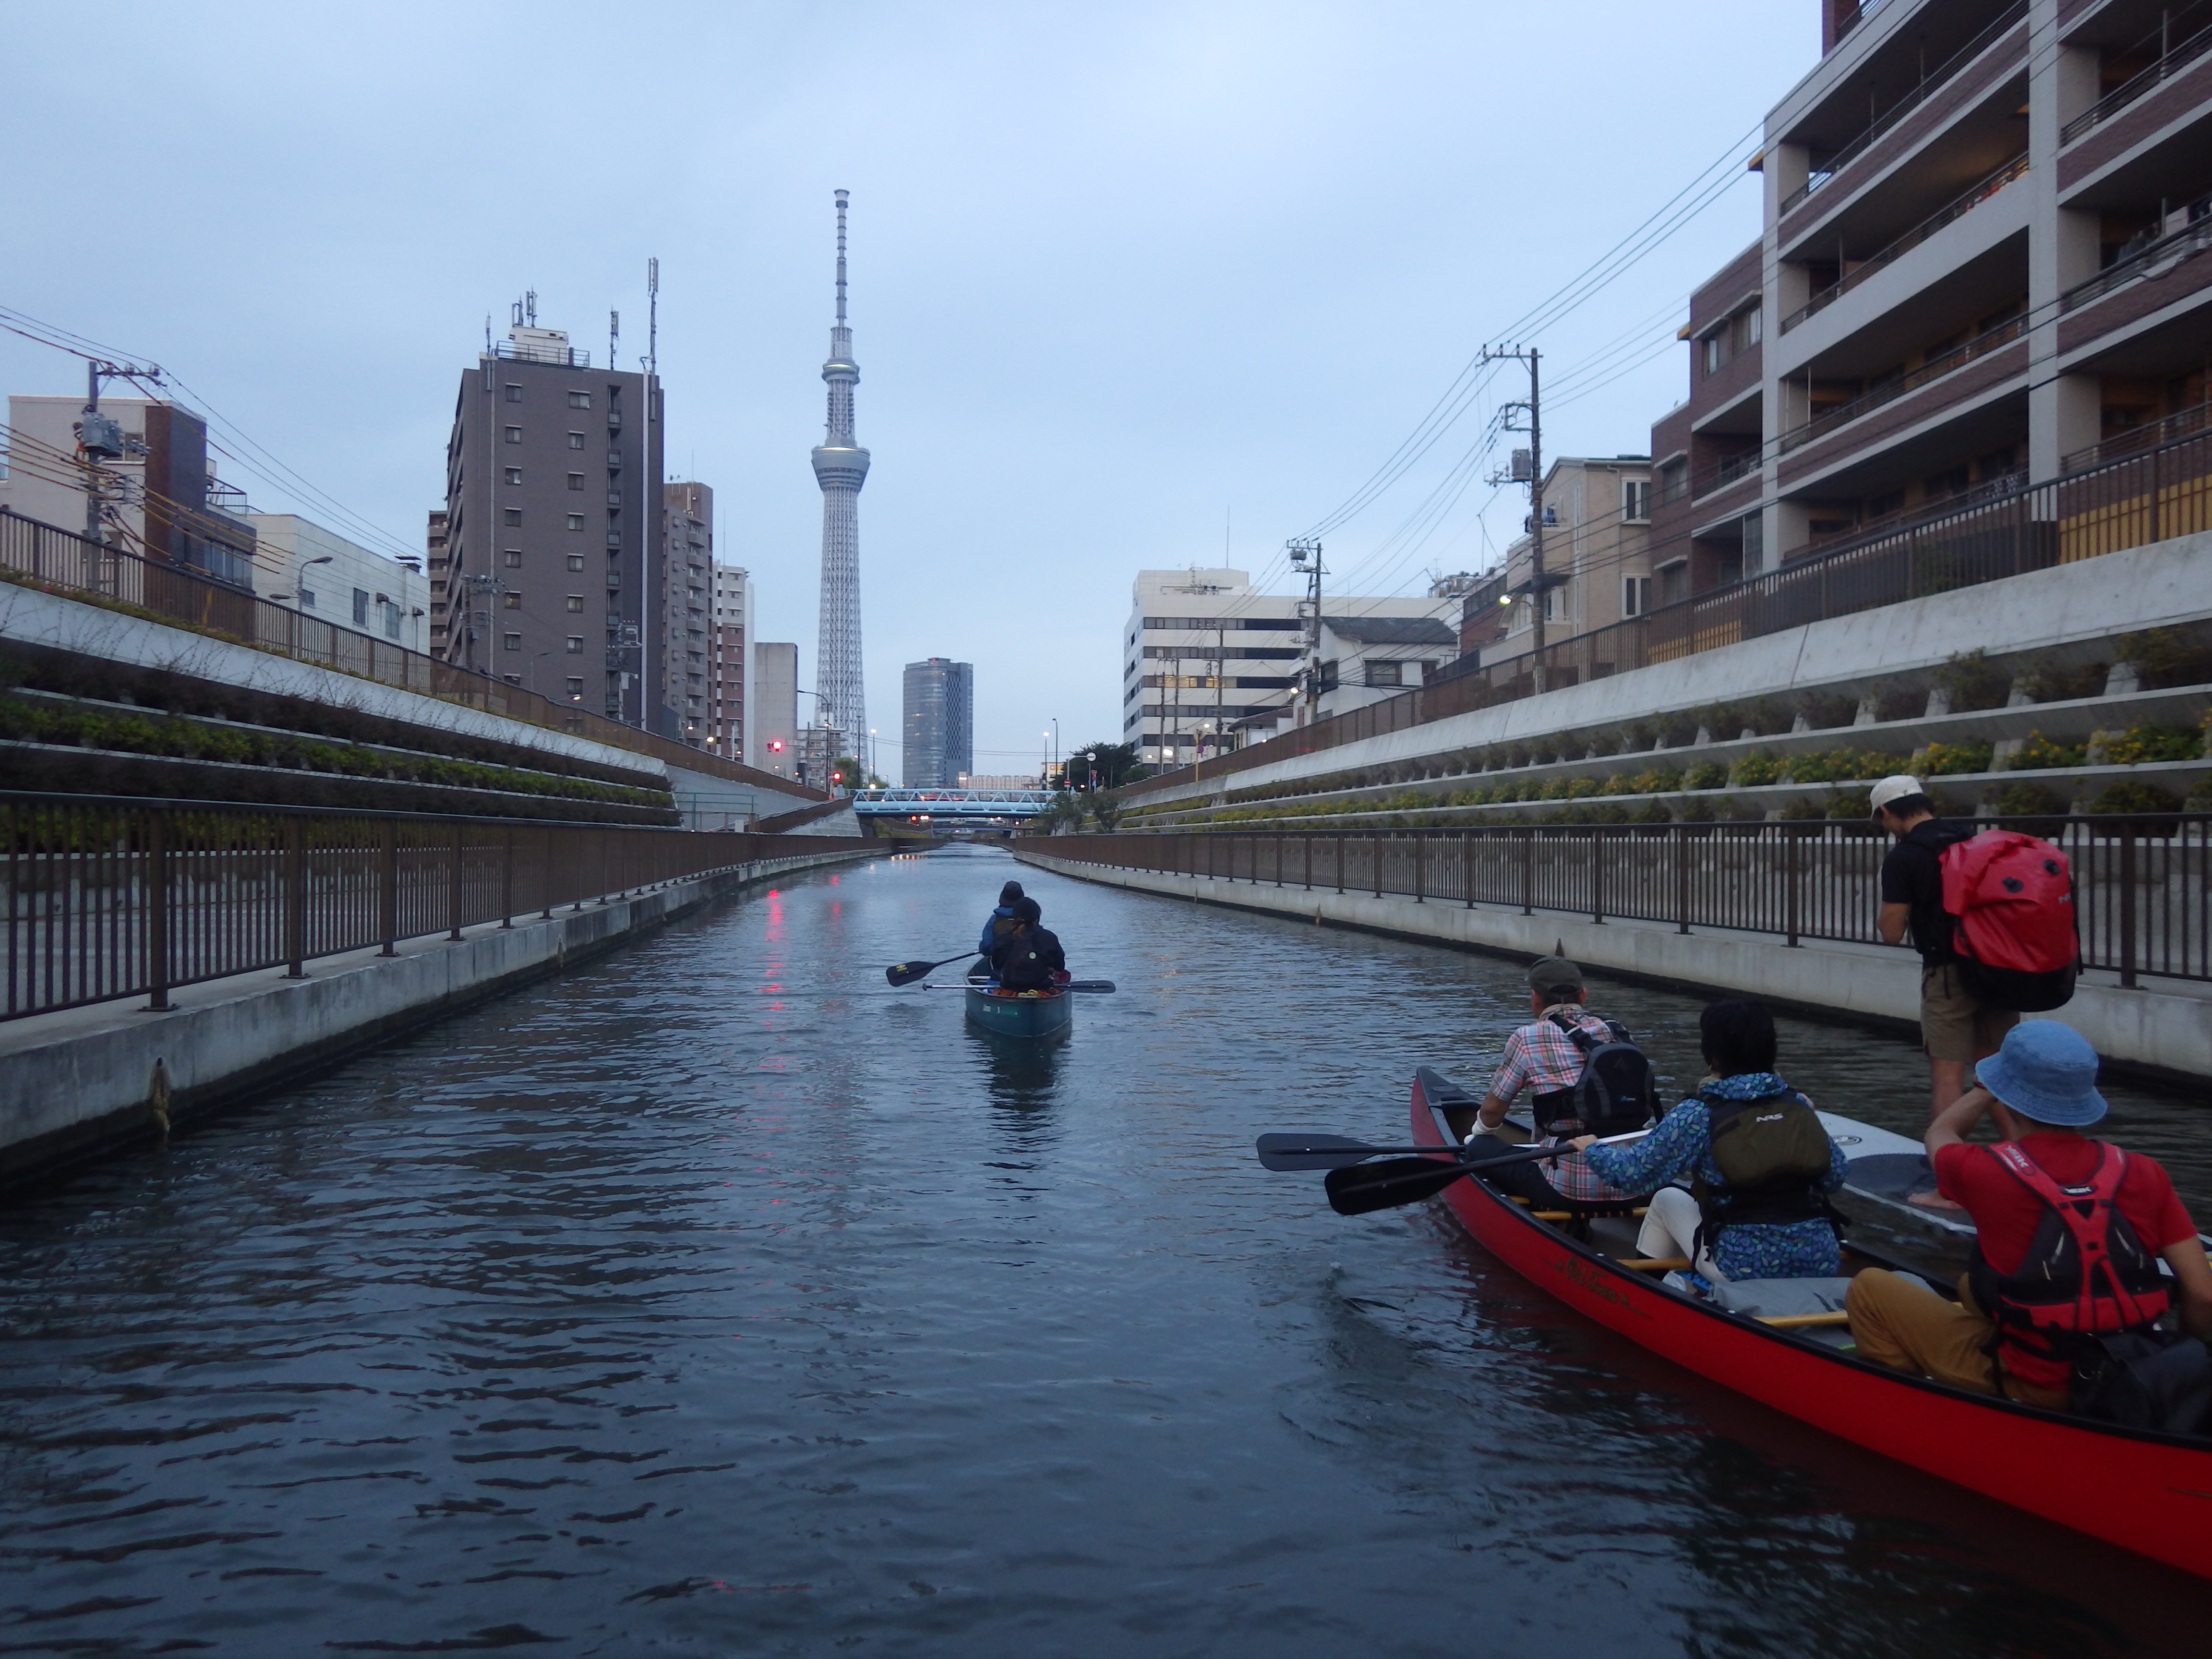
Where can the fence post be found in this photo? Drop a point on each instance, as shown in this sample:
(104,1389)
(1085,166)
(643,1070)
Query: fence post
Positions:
(157,913)
(387,890)
(1527,873)
(2128,909)
(1375,845)
(506,879)
(1309,840)
(546,878)
(1681,880)
(1597,874)
(453,884)
(1788,889)
(1467,863)
(1340,862)
(295,898)
(1420,867)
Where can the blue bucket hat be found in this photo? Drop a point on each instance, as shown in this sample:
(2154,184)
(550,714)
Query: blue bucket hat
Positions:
(2047,1071)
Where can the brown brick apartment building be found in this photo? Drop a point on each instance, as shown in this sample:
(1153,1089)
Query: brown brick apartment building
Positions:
(1982,267)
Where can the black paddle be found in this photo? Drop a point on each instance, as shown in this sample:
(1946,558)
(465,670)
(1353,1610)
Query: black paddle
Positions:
(905,973)
(1297,1152)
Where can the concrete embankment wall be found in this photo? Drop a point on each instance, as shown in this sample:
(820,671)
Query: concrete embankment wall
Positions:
(74,1082)
(2162,1033)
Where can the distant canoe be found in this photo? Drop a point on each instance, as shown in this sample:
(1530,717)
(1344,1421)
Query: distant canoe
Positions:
(1020,1016)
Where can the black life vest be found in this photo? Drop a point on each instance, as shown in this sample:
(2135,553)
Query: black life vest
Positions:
(1026,962)
(2086,1272)
(1772,1155)
(1616,1093)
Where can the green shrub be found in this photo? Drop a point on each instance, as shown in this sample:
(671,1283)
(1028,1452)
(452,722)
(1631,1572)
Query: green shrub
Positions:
(2132,795)
(1659,781)
(1555,789)
(1972,680)
(1755,769)
(2046,678)
(1942,759)
(1824,710)
(2166,656)
(2026,799)
(2040,754)
(1851,803)
(1709,774)
(2150,742)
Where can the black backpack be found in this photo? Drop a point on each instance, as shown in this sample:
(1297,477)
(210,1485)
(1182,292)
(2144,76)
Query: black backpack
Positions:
(1616,1093)
(1022,964)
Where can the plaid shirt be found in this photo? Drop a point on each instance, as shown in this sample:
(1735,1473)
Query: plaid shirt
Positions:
(1541,1056)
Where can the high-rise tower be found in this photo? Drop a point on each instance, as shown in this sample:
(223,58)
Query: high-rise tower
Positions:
(840,467)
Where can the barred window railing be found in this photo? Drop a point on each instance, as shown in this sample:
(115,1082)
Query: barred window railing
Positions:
(2176,60)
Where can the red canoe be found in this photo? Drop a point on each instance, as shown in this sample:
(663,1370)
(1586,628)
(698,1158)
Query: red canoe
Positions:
(2144,1491)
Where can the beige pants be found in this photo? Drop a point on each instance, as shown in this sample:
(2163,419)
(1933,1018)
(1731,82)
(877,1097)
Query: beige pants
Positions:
(1908,1327)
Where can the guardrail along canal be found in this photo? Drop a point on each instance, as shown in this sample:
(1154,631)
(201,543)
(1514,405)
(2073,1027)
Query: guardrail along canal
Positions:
(715,1298)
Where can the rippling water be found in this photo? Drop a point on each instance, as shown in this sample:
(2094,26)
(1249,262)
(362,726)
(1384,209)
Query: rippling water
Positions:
(715,1299)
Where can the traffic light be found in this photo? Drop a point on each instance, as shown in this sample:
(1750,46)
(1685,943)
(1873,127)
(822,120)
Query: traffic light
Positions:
(775,745)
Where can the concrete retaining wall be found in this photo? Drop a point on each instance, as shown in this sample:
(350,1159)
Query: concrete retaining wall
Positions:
(73,1082)
(2163,1033)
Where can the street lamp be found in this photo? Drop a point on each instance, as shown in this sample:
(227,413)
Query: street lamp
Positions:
(298,586)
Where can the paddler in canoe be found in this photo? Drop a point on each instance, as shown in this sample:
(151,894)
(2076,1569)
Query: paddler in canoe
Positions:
(996,927)
(1028,960)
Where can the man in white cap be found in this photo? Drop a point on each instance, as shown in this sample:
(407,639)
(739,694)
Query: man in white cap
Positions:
(1956,1028)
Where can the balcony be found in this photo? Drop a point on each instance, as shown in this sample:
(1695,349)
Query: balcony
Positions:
(1845,154)
(2011,171)
(2151,434)
(614,498)
(2154,259)
(2179,58)
(1890,391)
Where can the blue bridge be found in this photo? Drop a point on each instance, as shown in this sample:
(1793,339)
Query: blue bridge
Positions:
(952,809)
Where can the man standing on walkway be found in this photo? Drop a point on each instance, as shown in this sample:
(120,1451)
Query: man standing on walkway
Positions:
(1956,1028)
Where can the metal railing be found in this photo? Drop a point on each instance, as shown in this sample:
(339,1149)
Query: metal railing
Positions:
(1874,265)
(1888,391)
(2192,238)
(61,559)
(2143,904)
(106,898)
(559,356)
(2179,58)
(1850,151)
(2129,502)
(2151,434)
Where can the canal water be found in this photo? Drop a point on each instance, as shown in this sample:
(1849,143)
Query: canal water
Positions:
(716,1299)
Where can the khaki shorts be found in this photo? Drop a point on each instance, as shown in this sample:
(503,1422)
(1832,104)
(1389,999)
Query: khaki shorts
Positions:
(1953,1025)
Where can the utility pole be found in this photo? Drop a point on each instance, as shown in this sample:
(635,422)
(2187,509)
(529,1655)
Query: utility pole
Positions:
(1305,556)
(1538,585)
(100,438)
(1220,723)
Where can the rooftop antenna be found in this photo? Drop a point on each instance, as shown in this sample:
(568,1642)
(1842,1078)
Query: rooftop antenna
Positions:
(486,334)
(514,315)
(652,316)
(841,198)
(614,336)
(530,306)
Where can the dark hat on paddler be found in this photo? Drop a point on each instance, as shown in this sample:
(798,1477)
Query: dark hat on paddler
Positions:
(1545,972)
(1010,892)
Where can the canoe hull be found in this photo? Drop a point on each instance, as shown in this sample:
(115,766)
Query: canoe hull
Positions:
(2151,1493)
(1020,1016)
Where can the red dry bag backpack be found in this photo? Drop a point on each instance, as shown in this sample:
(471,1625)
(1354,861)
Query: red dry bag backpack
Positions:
(2011,903)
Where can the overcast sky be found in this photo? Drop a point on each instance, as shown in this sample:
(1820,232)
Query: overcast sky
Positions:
(1125,276)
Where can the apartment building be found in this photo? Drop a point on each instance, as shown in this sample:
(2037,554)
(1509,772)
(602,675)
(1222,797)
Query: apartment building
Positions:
(1206,656)
(1597,570)
(730,684)
(937,733)
(1979,271)
(554,571)
(684,637)
(161,499)
(321,573)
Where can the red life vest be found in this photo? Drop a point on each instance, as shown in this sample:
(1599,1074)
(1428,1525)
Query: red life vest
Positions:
(2086,1273)
(2011,899)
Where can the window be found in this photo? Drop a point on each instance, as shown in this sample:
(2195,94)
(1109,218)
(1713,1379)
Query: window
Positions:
(575,440)
(510,516)
(513,393)
(392,619)
(514,475)
(580,400)
(1675,582)
(575,561)
(511,680)
(510,642)
(1674,481)
(1555,603)
(576,481)
(575,683)
(576,602)
(514,434)
(575,643)
(1635,499)
(360,607)
(513,557)
(1385,673)
(1755,541)
(511,600)
(1715,350)
(1635,595)
(575,521)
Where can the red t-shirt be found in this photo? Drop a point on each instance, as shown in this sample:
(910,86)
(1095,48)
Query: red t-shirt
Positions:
(2005,1212)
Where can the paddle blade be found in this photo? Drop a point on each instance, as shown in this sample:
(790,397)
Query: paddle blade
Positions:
(1294,1152)
(1385,1186)
(905,973)
(1101,985)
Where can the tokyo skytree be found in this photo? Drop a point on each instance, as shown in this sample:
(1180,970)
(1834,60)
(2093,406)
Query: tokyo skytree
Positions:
(840,467)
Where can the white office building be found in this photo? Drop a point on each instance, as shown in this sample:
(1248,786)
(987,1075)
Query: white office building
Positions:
(320,574)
